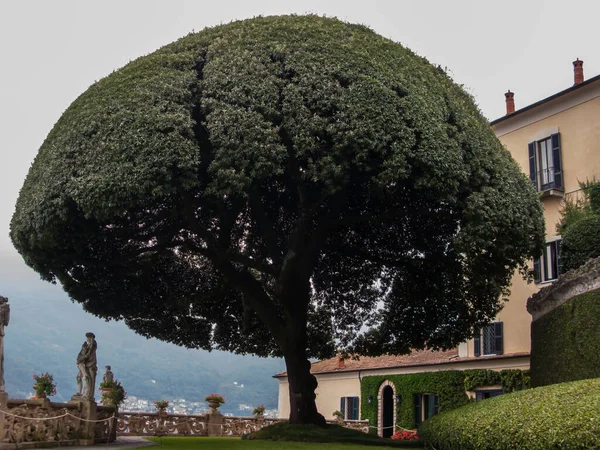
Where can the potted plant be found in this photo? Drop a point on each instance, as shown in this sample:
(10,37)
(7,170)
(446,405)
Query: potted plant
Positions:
(161,405)
(44,386)
(259,410)
(214,400)
(113,393)
(338,416)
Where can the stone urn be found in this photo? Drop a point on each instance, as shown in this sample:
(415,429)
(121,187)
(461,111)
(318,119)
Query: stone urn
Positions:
(105,396)
(214,406)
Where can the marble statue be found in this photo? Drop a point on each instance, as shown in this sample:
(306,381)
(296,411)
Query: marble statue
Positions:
(108,376)
(4,318)
(87,365)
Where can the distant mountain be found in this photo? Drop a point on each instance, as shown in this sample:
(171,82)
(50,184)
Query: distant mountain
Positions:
(46,331)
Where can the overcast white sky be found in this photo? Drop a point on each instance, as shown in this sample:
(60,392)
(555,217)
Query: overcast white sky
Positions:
(51,51)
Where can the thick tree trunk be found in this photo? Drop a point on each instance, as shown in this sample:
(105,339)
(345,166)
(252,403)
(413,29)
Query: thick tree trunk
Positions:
(302,385)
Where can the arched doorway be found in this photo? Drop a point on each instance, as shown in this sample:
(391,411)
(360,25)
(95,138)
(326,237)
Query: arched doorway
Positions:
(387,412)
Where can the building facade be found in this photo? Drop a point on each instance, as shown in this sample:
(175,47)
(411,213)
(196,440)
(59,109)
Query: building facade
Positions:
(556,142)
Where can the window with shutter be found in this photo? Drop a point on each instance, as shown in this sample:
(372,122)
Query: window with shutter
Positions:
(426,406)
(545,163)
(349,408)
(547,268)
(490,341)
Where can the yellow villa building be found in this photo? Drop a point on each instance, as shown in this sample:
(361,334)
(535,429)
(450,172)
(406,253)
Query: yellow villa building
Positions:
(556,141)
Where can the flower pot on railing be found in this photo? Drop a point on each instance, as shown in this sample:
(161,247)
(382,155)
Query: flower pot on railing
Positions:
(106,397)
(214,401)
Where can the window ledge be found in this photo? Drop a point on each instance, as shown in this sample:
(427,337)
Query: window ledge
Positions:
(558,193)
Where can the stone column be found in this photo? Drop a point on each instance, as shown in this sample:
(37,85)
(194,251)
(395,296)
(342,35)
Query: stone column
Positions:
(87,429)
(215,423)
(3,407)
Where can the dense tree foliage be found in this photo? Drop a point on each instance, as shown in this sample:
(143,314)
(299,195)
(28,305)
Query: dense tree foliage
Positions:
(580,227)
(285,186)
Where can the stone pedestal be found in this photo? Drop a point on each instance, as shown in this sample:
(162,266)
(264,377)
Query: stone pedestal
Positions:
(86,429)
(215,423)
(3,407)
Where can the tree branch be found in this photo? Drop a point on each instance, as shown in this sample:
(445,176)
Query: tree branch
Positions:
(266,228)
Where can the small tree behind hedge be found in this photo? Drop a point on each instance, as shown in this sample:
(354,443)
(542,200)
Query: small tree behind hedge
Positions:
(580,227)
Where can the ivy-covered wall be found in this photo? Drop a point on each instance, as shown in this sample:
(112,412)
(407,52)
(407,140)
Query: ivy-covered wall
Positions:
(565,343)
(450,387)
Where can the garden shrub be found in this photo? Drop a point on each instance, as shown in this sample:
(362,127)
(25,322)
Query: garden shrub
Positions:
(565,416)
(565,343)
(581,241)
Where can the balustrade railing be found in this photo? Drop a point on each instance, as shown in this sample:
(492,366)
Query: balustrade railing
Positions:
(39,420)
(162,424)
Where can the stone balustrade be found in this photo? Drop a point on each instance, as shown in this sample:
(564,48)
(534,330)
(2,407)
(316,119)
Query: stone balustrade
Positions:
(39,420)
(27,421)
(162,424)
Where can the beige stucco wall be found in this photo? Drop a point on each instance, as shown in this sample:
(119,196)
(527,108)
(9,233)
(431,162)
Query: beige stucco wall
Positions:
(331,388)
(334,386)
(579,128)
(577,117)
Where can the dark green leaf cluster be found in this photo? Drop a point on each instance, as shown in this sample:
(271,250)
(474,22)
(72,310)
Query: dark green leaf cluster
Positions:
(564,416)
(580,227)
(280,176)
(565,343)
(580,242)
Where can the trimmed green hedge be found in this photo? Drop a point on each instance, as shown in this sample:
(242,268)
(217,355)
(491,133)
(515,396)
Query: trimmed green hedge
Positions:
(565,416)
(565,343)
(449,385)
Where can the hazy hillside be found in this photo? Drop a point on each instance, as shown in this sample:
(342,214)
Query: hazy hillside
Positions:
(46,332)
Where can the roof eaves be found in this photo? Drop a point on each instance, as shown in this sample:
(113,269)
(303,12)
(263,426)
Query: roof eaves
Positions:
(437,363)
(545,100)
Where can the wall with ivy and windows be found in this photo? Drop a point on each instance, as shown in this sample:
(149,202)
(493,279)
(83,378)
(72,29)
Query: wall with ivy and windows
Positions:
(450,387)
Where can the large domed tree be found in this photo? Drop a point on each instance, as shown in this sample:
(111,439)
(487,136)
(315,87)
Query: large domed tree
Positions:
(280,186)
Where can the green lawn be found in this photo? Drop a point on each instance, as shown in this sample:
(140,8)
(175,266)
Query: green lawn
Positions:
(235,443)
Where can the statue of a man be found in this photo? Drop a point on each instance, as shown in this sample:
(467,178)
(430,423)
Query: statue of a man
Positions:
(108,376)
(4,319)
(87,365)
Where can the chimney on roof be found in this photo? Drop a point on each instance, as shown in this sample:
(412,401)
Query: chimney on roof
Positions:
(578,71)
(341,362)
(510,102)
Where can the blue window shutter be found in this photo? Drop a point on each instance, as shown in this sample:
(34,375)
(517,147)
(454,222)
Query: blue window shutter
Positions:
(537,270)
(436,404)
(354,408)
(477,344)
(478,396)
(533,166)
(557,161)
(558,262)
(343,407)
(499,338)
(418,400)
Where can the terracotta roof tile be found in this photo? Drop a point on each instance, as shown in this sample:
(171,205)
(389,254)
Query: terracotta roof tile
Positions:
(417,358)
